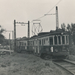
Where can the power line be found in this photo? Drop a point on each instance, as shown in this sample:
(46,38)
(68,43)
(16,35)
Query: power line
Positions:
(40,17)
(54,6)
(48,11)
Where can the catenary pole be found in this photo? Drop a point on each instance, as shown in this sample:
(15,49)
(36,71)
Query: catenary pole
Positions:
(14,35)
(12,39)
(28,29)
(57,22)
(9,42)
(28,33)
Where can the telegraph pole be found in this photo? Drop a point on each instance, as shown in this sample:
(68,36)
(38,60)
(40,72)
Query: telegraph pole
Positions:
(14,35)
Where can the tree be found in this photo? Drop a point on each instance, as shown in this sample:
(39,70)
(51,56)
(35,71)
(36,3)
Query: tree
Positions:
(63,26)
(69,27)
(73,31)
(1,35)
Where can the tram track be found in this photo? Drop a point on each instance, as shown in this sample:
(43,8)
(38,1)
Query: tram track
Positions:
(66,65)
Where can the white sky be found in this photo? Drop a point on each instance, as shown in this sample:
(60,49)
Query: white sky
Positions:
(24,10)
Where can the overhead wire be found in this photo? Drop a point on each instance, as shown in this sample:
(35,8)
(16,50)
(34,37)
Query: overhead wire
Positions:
(48,11)
(54,6)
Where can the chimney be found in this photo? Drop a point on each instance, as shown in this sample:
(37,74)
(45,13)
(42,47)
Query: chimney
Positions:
(57,23)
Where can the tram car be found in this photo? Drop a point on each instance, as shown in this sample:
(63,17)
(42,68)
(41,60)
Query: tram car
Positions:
(53,44)
(21,45)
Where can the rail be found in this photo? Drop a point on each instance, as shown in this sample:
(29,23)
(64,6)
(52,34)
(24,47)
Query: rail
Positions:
(66,65)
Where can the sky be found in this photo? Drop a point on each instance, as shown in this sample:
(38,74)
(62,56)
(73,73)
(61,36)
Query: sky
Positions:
(29,10)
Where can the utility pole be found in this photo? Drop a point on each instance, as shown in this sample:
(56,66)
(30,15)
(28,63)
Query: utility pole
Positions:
(14,35)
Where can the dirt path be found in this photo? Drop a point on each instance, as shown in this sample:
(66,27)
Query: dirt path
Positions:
(27,64)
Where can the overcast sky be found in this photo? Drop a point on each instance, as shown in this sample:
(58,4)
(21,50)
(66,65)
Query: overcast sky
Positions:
(24,10)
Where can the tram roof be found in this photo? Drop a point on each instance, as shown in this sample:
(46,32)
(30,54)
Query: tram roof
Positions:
(52,32)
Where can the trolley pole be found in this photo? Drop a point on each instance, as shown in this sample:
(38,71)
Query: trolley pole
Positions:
(15,35)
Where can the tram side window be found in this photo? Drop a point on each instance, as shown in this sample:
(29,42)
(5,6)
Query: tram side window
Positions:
(59,40)
(20,43)
(51,40)
(39,42)
(67,41)
(30,43)
(46,39)
(42,41)
(55,39)
(33,42)
(63,39)
(25,43)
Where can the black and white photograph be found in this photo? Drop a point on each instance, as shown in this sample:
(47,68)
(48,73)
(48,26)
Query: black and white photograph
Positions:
(37,37)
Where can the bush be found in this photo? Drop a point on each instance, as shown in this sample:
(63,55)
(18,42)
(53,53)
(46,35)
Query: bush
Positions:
(72,50)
